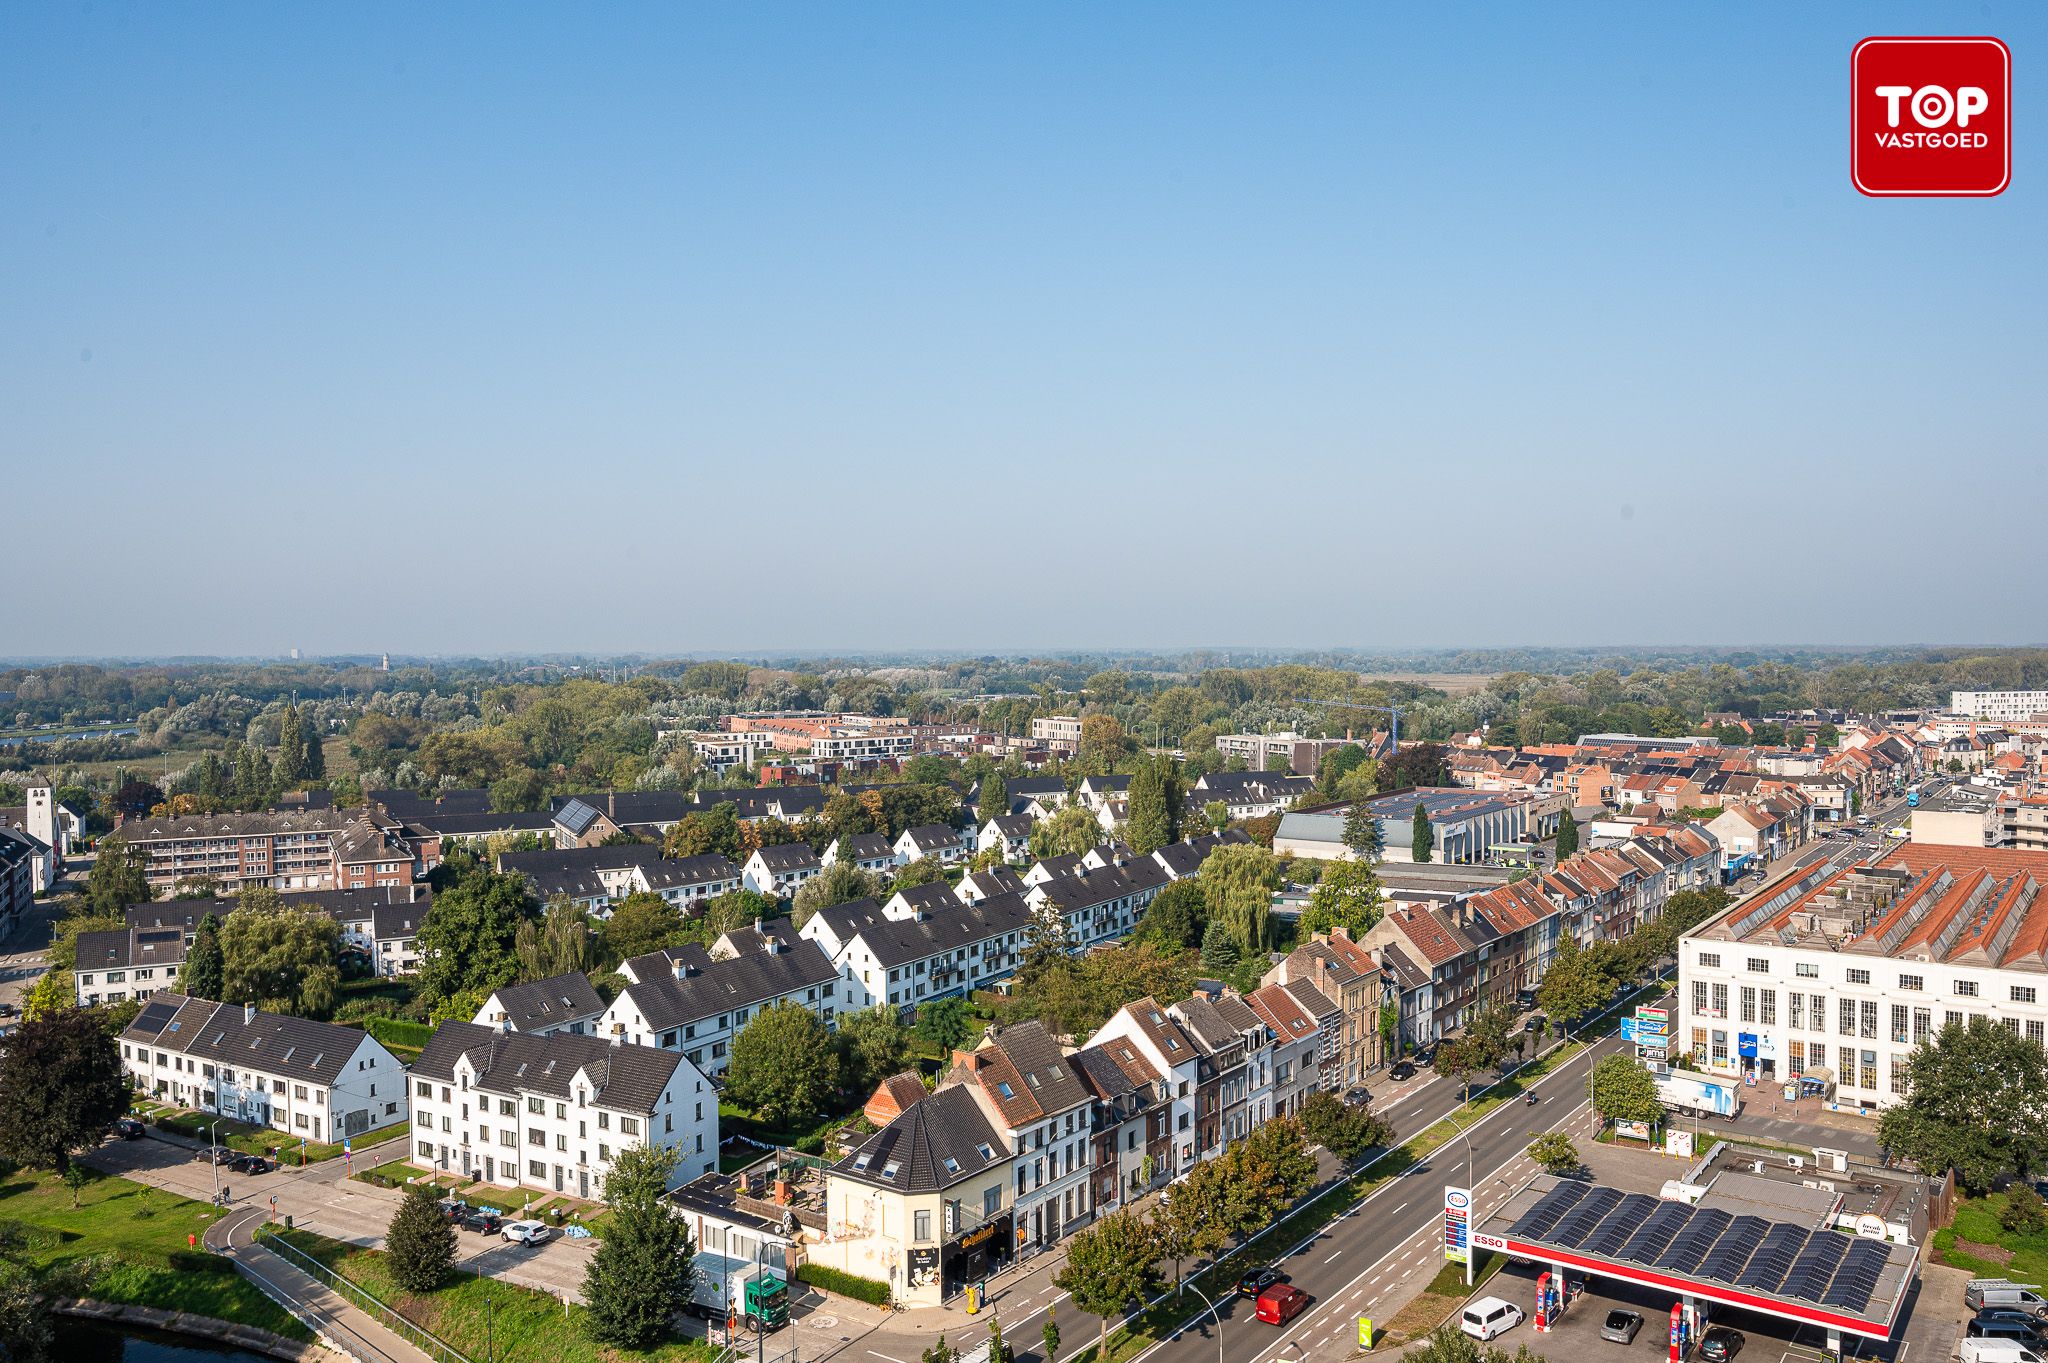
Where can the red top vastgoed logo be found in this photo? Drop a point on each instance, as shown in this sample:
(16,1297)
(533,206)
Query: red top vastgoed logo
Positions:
(1930,117)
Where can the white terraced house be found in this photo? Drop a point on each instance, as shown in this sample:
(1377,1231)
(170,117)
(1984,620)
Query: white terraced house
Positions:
(696,1001)
(300,1078)
(550,1113)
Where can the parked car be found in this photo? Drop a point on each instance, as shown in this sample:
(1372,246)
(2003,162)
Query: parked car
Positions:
(482,1220)
(1279,1304)
(1621,1326)
(8,1010)
(250,1164)
(1258,1280)
(2009,1325)
(1719,1344)
(128,1129)
(528,1233)
(452,1209)
(2000,1293)
(1404,1069)
(226,1154)
(1490,1317)
(2005,1315)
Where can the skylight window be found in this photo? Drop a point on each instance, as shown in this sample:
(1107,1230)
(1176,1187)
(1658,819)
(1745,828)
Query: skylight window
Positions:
(1003,1087)
(889,1169)
(952,1165)
(985,1151)
(860,1161)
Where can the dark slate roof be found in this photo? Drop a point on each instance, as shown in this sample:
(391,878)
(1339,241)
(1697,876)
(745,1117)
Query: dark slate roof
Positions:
(397,922)
(124,948)
(344,906)
(935,897)
(406,805)
(635,806)
(576,817)
(865,847)
(1182,859)
(934,1145)
(900,941)
(551,1002)
(1023,1074)
(1084,887)
(17,846)
(932,835)
(844,920)
(573,871)
(1012,825)
(297,1048)
(623,1078)
(789,856)
(721,986)
(995,880)
(470,825)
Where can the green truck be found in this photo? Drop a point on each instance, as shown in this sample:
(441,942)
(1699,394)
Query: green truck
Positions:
(724,1287)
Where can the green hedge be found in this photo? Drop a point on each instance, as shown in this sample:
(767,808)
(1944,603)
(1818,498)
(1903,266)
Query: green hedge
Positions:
(870,1290)
(399,1032)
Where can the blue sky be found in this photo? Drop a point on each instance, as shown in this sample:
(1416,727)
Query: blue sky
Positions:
(454,329)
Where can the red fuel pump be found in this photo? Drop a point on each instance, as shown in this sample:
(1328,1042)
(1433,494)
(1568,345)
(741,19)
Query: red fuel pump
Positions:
(1547,1306)
(1677,1332)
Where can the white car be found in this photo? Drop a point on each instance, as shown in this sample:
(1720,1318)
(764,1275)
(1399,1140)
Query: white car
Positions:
(1489,1317)
(526,1232)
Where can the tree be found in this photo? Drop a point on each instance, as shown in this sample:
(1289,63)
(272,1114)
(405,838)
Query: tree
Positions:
(1567,836)
(944,1023)
(1049,1337)
(923,871)
(1362,832)
(995,798)
(2024,1212)
(734,910)
(1972,1104)
(1103,741)
(1572,985)
(704,831)
(1237,889)
(1071,831)
(1345,1131)
(468,941)
(783,1064)
(559,944)
(1218,815)
(25,1332)
(1152,803)
(1416,765)
(279,956)
(1422,843)
(1175,918)
(1555,1152)
(1110,1265)
(840,883)
(640,923)
(1347,896)
(1624,1091)
(1220,955)
(61,1085)
(118,878)
(420,1241)
(204,975)
(640,1277)
(312,747)
(873,1044)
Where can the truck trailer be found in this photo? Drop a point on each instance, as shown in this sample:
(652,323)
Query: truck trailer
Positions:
(727,1288)
(1697,1094)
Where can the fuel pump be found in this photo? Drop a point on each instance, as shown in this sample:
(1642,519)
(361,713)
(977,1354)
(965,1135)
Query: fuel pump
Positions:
(1677,1332)
(1546,1301)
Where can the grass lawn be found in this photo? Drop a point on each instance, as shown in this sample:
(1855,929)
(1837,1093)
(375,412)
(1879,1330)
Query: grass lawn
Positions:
(254,1140)
(469,1310)
(145,1229)
(1979,1244)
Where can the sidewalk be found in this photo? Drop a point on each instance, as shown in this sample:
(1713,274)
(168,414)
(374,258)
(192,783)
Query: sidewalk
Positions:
(340,1325)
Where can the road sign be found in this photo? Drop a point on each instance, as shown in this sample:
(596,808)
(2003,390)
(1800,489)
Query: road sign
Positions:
(1457,1225)
(1365,1332)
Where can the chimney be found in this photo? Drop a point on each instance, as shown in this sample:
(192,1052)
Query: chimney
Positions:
(681,968)
(611,805)
(248,1014)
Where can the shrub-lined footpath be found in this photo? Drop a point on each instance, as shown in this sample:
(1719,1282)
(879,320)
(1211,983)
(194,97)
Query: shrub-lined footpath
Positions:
(142,1232)
(470,1312)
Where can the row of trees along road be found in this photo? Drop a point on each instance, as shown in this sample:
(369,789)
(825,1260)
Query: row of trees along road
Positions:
(1119,1260)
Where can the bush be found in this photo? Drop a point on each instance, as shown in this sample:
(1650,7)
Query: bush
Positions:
(869,1290)
(2024,1212)
(395,1031)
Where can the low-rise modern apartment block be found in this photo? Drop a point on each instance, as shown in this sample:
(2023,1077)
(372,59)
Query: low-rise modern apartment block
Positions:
(690,1000)
(2008,706)
(303,1079)
(923,944)
(322,849)
(596,878)
(560,1003)
(550,1113)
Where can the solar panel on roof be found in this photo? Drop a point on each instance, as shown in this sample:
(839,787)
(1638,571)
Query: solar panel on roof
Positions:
(1731,1252)
(1614,1232)
(1690,1245)
(1538,1220)
(1654,1236)
(1773,1258)
(1815,1265)
(1581,1220)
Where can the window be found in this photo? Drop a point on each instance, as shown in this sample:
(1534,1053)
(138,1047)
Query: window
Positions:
(1859,976)
(922,1226)
(1699,996)
(1868,1029)
(425,1090)
(1758,965)
(1869,1071)
(536,1136)
(1720,1009)
(629,1126)
(1912,984)
(1846,1064)
(427,1147)
(507,1108)
(1795,1012)
(1922,1025)
(1899,1024)
(1966,989)
(537,1106)
(1845,1016)
(2023,993)
(1770,1007)
(1748,1004)
(536,1169)
(1818,1015)
(1806,970)
(2034,1031)
(1898,1073)
(1710,960)
(991,1201)
(299,1092)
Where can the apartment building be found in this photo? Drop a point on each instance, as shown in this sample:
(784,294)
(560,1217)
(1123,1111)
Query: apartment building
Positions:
(1100,896)
(1031,1094)
(323,849)
(300,1078)
(779,871)
(1838,973)
(1302,755)
(688,1000)
(550,1112)
(1234,1078)
(1061,733)
(1343,986)
(871,852)
(1130,1124)
(597,878)
(1143,1034)
(1297,1038)
(935,841)
(2010,706)
(20,854)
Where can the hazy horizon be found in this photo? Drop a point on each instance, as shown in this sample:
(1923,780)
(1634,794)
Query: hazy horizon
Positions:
(457,331)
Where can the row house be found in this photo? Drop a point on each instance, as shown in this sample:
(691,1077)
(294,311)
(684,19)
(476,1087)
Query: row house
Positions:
(1761,831)
(597,878)
(923,944)
(1142,1032)
(1101,897)
(1130,1124)
(1297,1054)
(1234,1085)
(1034,1097)
(687,999)
(1183,859)
(1009,834)
(871,852)
(1249,794)
(317,1081)
(550,1112)
(1432,939)
(780,870)
(933,841)
(1339,980)
(990,880)
(1098,793)
(560,1003)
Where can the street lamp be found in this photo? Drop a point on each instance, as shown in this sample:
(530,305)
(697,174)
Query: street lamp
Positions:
(1213,1315)
(213,1152)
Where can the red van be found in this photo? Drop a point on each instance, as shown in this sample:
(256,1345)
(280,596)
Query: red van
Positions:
(1281,1303)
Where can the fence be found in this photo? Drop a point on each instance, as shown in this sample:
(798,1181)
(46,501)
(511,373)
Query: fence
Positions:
(388,1315)
(329,1330)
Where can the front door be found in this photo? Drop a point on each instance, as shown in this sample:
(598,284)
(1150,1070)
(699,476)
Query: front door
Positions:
(558,1178)
(583,1183)
(490,1169)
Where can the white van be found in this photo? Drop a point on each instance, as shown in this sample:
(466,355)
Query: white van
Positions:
(1997,1351)
(1490,1317)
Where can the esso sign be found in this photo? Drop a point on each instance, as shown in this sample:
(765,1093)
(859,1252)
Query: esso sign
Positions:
(1931,117)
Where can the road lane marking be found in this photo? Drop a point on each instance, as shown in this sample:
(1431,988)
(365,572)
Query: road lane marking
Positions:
(1333,1256)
